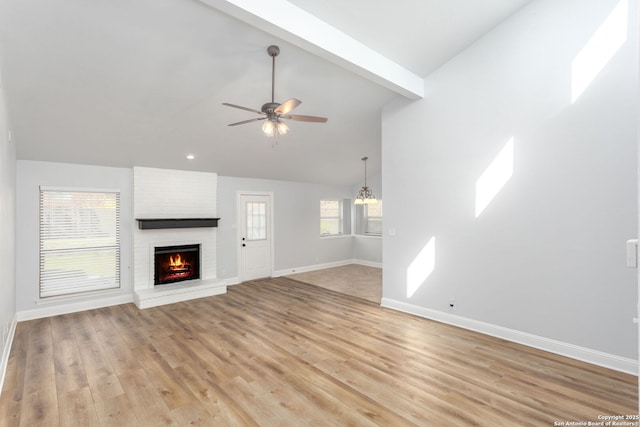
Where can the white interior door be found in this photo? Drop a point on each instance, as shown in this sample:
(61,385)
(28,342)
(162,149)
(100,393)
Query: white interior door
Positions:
(255,220)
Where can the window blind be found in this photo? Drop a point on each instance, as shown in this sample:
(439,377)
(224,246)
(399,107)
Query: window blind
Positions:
(373,218)
(79,241)
(330,217)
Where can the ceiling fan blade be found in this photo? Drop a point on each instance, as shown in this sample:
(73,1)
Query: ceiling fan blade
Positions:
(246,121)
(287,106)
(242,108)
(300,118)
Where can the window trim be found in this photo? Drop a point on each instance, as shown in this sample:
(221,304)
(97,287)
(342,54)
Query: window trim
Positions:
(75,288)
(340,218)
(260,216)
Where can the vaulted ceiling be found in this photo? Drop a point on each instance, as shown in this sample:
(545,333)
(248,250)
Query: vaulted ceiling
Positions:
(142,82)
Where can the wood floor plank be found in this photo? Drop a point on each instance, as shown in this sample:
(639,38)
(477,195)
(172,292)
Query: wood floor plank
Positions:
(167,381)
(210,396)
(13,388)
(145,400)
(40,400)
(103,380)
(117,411)
(119,355)
(70,372)
(77,409)
(279,352)
(193,415)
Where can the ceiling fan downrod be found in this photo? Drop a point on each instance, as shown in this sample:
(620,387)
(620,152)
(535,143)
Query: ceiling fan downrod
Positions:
(273,51)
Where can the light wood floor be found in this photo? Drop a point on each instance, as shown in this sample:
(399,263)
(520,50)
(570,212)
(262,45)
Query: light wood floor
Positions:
(283,353)
(352,279)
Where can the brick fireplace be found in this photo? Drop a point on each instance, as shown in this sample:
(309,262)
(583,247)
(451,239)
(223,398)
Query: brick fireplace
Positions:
(174,196)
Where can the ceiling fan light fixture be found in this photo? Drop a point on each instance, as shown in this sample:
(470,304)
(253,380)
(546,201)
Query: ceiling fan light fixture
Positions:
(365,195)
(282,127)
(271,125)
(268,128)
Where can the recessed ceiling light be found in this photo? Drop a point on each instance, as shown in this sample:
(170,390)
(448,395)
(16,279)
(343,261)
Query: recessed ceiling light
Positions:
(191,156)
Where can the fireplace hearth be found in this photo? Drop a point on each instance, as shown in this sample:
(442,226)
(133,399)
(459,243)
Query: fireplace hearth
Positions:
(176,264)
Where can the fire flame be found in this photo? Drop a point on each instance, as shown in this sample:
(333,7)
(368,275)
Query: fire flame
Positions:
(177,263)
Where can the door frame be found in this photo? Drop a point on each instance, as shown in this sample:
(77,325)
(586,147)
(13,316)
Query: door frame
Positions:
(271,221)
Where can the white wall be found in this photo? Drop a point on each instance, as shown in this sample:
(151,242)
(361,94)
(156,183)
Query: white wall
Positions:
(547,256)
(296,228)
(30,176)
(7,235)
(368,250)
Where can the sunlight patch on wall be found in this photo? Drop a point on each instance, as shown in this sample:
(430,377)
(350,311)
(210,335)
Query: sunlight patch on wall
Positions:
(494,177)
(599,50)
(421,267)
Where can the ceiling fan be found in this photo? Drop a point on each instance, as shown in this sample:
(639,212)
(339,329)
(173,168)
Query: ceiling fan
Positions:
(274,112)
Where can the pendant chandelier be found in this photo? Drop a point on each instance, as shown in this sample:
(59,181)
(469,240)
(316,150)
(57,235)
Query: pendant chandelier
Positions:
(365,196)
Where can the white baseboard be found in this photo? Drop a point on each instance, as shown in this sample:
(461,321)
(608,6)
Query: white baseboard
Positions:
(295,270)
(4,362)
(75,307)
(315,267)
(231,281)
(623,364)
(367,263)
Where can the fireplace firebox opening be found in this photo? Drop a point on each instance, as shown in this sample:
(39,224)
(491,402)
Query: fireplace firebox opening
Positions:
(176,264)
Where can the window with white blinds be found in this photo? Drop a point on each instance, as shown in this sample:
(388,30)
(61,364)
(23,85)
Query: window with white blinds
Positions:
(79,241)
(330,217)
(373,218)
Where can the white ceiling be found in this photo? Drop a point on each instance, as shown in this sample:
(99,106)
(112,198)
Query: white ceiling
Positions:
(141,82)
